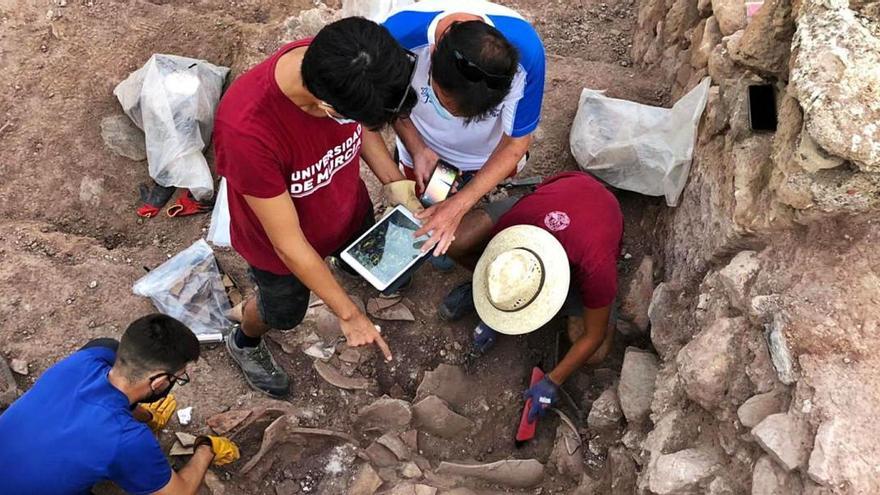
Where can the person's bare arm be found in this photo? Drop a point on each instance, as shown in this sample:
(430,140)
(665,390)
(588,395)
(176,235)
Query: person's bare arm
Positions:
(375,153)
(280,221)
(424,158)
(188,480)
(443,218)
(595,326)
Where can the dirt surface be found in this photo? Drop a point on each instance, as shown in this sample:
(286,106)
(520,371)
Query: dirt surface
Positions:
(67,216)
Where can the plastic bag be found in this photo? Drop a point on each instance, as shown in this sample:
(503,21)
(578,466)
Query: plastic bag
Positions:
(375,10)
(173,100)
(218,232)
(189,287)
(638,147)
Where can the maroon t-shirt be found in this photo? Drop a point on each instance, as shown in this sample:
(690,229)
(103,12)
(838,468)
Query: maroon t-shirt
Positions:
(586,219)
(265,145)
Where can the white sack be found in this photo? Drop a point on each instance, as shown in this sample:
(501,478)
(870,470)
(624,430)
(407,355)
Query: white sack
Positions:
(638,147)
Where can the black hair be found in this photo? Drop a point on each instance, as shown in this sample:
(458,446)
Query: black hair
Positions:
(156,342)
(478,91)
(356,66)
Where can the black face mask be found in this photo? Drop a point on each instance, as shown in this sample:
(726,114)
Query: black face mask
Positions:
(157,396)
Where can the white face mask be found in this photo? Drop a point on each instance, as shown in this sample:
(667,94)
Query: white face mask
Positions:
(338,120)
(431,96)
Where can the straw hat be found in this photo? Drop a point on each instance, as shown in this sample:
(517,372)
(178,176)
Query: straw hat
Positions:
(521,280)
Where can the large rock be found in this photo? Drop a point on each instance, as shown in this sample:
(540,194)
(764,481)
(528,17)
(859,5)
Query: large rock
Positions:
(780,354)
(705,40)
(681,471)
(434,416)
(123,137)
(705,363)
(765,45)
(514,473)
(758,407)
(737,276)
(836,462)
(605,412)
(784,437)
(623,470)
(386,414)
(636,387)
(447,382)
(635,303)
(568,459)
(836,82)
(365,482)
(768,478)
(731,15)
(670,434)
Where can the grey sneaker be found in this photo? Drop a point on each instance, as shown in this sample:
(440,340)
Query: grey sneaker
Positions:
(259,368)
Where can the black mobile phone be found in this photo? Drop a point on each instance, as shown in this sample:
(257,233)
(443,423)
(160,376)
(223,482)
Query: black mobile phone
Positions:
(440,184)
(762,107)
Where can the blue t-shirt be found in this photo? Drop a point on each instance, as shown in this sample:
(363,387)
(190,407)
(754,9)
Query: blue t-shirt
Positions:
(469,145)
(73,429)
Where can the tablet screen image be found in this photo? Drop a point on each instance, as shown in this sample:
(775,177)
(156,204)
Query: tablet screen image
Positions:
(387,250)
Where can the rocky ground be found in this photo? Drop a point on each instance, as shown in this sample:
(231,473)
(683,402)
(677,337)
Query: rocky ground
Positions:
(71,247)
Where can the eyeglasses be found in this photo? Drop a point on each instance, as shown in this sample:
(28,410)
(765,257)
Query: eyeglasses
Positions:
(474,73)
(413,58)
(181,379)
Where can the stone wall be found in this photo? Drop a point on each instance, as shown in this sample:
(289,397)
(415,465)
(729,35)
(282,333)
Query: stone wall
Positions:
(766,321)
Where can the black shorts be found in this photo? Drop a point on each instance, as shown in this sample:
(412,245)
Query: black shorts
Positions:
(282,300)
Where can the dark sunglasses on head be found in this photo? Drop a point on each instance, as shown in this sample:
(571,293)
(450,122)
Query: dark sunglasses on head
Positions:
(413,58)
(474,73)
(183,379)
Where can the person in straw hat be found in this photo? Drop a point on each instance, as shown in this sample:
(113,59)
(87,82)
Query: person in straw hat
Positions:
(552,252)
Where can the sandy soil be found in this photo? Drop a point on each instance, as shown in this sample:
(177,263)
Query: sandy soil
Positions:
(67,210)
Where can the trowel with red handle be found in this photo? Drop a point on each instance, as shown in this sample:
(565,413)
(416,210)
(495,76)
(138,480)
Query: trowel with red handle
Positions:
(526,430)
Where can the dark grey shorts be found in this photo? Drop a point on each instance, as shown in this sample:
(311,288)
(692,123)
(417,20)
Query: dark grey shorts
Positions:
(283,300)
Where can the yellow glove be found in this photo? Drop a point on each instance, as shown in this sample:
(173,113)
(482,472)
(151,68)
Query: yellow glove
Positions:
(403,192)
(160,412)
(225,451)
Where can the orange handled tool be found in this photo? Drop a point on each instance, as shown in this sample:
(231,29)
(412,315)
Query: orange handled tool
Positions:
(526,430)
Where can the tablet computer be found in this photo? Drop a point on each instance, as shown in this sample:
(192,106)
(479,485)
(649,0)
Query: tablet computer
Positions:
(386,251)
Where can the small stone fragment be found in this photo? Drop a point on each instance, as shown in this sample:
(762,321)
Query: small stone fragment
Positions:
(178,450)
(411,471)
(365,482)
(433,415)
(337,379)
(8,387)
(566,455)
(624,472)
(447,382)
(636,387)
(758,407)
(606,412)
(737,278)
(393,443)
(380,456)
(19,366)
(681,471)
(515,473)
(212,481)
(386,414)
(780,354)
(825,465)
(786,438)
(223,423)
(185,439)
(395,311)
(184,416)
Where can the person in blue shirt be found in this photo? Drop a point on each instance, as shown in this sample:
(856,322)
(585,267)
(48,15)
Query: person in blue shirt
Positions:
(480,80)
(88,419)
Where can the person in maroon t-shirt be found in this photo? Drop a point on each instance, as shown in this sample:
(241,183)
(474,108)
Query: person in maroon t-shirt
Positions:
(288,137)
(524,277)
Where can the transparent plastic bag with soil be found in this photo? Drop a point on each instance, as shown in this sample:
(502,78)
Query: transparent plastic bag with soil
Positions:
(638,147)
(189,287)
(173,100)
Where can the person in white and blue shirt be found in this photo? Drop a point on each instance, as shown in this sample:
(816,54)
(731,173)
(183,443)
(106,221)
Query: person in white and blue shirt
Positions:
(480,81)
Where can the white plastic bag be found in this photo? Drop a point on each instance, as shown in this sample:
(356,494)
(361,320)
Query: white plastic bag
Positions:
(375,10)
(189,287)
(218,232)
(173,99)
(638,147)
